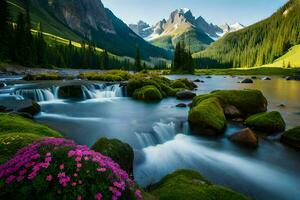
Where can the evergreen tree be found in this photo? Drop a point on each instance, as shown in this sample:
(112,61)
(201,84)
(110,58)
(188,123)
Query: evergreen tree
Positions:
(4,30)
(137,63)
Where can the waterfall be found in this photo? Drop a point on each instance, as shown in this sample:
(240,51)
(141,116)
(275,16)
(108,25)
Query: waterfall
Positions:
(161,133)
(91,91)
(37,94)
(98,91)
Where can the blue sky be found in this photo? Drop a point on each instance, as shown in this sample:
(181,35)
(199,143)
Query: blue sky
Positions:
(216,11)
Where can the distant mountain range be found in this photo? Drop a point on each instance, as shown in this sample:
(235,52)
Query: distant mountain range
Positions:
(89,21)
(182,25)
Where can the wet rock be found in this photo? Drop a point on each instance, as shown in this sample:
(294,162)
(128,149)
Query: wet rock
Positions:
(266,79)
(70,92)
(25,107)
(292,137)
(181,105)
(245,137)
(185,95)
(231,111)
(197,81)
(289,78)
(281,106)
(267,122)
(253,77)
(208,77)
(2,85)
(238,120)
(120,152)
(247,80)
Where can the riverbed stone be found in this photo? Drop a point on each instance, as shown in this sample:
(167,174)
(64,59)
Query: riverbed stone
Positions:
(266,79)
(120,152)
(71,92)
(267,122)
(247,81)
(245,137)
(292,137)
(181,105)
(191,185)
(26,106)
(2,85)
(185,95)
(231,111)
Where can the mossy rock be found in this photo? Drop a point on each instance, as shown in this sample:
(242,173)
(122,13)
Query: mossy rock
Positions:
(43,76)
(292,137)
(246,101)
(120,152)
(17,124)
(268,122)
(207,117)
(109,76)
(12,142)
(183,83)
(70,92)
(147,93)
(187,185)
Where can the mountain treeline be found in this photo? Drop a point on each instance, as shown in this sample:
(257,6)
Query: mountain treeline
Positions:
(183,61)
(18,44)
(259,44)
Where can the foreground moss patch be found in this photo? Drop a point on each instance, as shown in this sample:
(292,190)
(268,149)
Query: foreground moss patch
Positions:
(269,122)
(12,142)
(17,124)
(187,185)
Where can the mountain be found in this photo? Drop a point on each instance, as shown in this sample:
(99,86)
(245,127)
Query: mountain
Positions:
(258,44)
(90,20)
(182,25)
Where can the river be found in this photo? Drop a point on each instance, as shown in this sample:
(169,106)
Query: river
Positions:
(160,136)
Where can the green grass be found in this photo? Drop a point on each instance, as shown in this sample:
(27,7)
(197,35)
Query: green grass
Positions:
(267,71)
(292,58)
(17,124)
(190,185)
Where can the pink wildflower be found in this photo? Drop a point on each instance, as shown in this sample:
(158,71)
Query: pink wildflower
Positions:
(49,178)
(98,196)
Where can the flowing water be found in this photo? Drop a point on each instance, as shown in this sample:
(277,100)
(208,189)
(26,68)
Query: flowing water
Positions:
(160,136)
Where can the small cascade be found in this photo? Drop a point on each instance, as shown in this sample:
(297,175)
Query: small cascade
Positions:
(161,133)
(98,91)
(38,95)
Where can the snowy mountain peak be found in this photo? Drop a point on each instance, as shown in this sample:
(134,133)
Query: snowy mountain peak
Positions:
(237,26)
(184,10)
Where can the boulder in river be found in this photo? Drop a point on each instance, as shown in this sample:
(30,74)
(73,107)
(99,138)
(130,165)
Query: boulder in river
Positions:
(267,122)
(253,77)
(185,95)
(207,117)
(292,137)
(148,93)
(245,137)
(208,77)
(25,107)
(120,152)
(71,92)
(247,80)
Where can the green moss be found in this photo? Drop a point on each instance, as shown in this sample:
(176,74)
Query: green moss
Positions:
(120,152)
(187,185)
(208,115)
(12,142)
(147,93)
(43,76)
(16,124)
(269,122)
(109,76)
(246,101)
(292,137)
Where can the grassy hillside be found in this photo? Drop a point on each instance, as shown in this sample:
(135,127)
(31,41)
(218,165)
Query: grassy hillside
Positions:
(256,45)
(290,59)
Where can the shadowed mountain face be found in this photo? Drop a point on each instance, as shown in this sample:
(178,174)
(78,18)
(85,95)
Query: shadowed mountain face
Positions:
(90,20)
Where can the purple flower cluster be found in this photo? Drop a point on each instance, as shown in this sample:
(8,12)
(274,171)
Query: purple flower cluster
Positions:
(38,158)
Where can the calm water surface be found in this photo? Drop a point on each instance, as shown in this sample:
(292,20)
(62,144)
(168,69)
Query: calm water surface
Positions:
(160,136)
